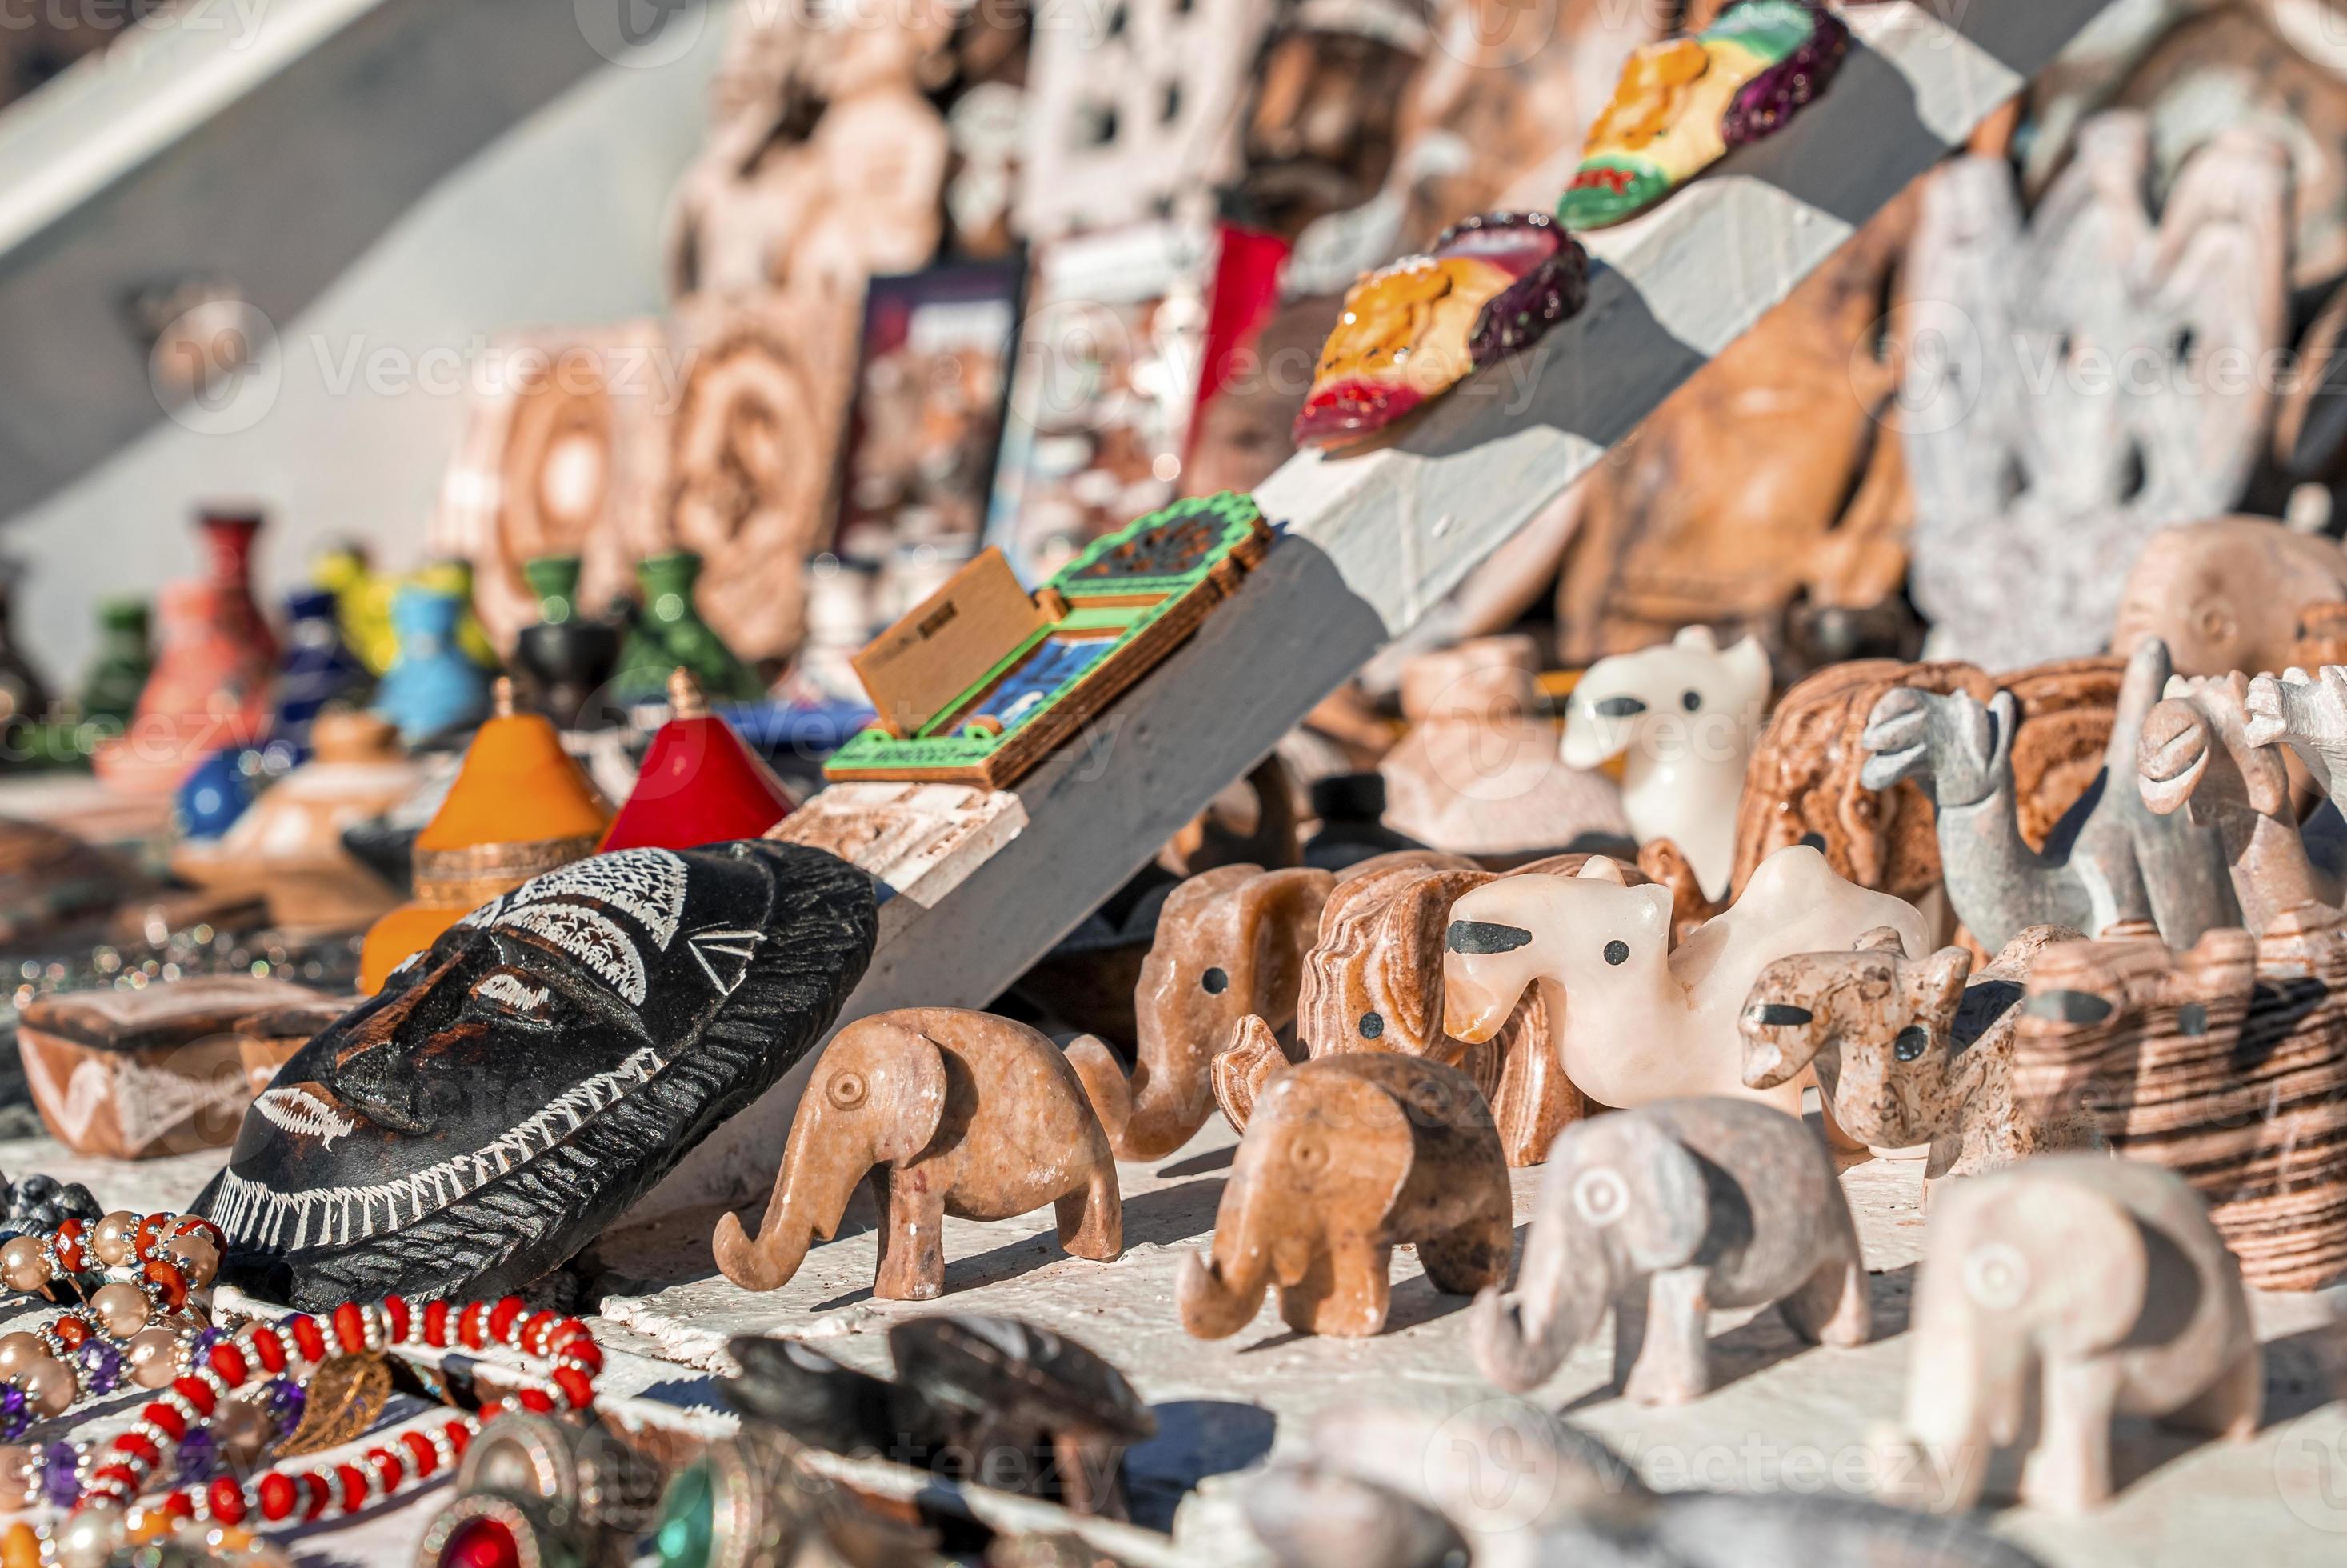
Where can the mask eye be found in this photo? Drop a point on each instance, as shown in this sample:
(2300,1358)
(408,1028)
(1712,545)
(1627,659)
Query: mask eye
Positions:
(1214,981)
(511,995)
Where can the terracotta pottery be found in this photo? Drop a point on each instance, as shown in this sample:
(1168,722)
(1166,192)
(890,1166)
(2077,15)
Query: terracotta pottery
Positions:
(207,692)
(227,540)
(288,845)
(521,806)
(698,785)
(134,1074)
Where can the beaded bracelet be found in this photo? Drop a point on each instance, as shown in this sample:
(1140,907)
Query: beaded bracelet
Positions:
(152,1260)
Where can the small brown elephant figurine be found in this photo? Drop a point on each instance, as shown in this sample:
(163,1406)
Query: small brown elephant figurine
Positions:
(1664,1214)
(1372,981)
(2102,1279)
(1906,1052)
(1230,944)
(1347,1157)
(947,1112)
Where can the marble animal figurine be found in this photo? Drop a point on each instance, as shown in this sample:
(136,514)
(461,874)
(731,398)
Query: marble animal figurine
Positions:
(1683,719)
(1230,945)
(2309,714)
(1372,981)
(1435,1480)
(1906,1051)
(2225,593)
(2102,1283)
(944,1111)
(1805,783)
(138,1074)
(1409,332)
(538,1067)
(2225,1062)
(1632,1018)
(2112,859)
(2034,496)
(2195,756)
(1684,103)
(1345,1158)
(1663,1214)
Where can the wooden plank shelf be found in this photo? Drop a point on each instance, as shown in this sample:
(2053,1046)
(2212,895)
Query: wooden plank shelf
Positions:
(1373,541)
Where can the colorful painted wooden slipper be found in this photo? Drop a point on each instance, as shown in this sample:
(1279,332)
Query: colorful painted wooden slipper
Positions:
(1492,284)
(1684,102)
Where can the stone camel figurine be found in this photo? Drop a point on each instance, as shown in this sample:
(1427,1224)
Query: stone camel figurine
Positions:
(1347,1156)
(1230,945)
(1372,980)
(2195,755)
(1664,1214)
(2111,859)
(1436,1482)
(2103,1281)
(947,1112)
(1907,1052)
(1635,1020)
(1683,718)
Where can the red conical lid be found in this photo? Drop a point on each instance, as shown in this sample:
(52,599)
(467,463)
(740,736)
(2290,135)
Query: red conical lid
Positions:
(700,784)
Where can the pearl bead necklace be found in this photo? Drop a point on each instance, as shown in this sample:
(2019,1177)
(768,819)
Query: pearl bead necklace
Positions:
(211,1367)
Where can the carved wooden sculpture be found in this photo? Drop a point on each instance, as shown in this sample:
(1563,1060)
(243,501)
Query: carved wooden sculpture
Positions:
(1636,1212)
(1372,981)
(2225,1062)
(2194,757)
(945,1110)
(1347,1157)
(1683,719)
(2225,593)
(1805,781)
(1768,496)
(1230,944)
(2112,859)
(1906,1051)
(1477,773)
(1432,1482)
(1634,1020)
(2057,407)
(2102,1282)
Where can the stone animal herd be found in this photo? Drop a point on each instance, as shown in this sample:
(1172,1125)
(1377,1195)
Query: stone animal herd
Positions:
(2067,940)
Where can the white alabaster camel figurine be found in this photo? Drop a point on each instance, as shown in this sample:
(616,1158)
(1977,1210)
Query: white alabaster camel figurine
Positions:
(1634,1020)
(1682,717)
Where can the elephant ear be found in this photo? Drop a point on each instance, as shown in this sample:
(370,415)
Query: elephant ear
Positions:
(1408,959)
(1640,1186)
(2065,1258)
(1277,916)
(911,1088)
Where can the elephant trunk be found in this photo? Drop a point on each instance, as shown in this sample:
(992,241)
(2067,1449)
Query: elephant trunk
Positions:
(1964,1401)
(811,1192)
(1521,1337)
(1219,1294)
(1156,1110)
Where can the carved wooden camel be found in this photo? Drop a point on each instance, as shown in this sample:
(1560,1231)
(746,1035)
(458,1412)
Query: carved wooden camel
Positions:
(2111,859)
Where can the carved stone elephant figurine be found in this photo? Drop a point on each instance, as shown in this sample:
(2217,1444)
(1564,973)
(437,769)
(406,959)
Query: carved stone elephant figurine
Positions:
(1664,1214)
(1372,980)
(2105,1282)
(947,1112)
(1347,1157)
(1906,1051)
(1230,943)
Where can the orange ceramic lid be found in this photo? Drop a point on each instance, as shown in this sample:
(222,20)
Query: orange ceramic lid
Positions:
(517,786)
(407,931)
(699,783)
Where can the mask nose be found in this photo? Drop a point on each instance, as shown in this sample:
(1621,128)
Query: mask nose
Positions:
(1620,708)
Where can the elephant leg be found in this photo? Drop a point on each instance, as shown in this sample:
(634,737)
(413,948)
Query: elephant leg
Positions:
(1629,1327)
(1675,1364)
(1832,1306)
(1470,1257)
(2070,1470)
(2230,1407)
(1091,1218)
(1344,1292)
(912,1265)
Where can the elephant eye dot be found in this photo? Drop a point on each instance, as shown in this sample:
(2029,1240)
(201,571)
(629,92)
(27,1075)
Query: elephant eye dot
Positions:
(1372,1025)
(847,1091)
(1618,951)
(1216,982)
(1691,700)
